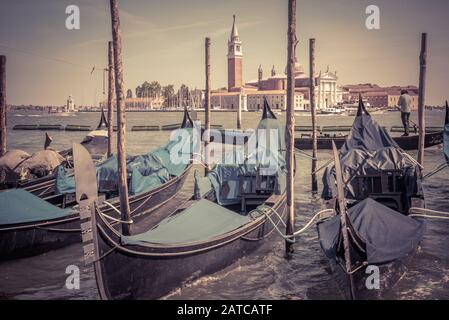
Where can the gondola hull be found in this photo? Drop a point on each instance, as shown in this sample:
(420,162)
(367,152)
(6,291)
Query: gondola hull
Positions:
(151,272)
(405,143)
(37,238)
(364,286)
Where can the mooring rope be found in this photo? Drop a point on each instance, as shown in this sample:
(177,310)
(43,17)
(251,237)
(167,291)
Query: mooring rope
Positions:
(112,218)
(438,169)
(428,213)
(298,232)
(305,154)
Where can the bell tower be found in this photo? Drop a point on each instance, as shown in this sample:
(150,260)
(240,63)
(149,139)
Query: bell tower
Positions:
(235,59)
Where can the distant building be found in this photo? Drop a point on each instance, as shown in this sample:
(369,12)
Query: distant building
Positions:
(146,103)
(249,96)
(70,105)
(379,97)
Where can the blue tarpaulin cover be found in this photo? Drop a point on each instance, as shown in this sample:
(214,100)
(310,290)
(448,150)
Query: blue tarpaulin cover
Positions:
(145,172)
(204,220)
(388,234)
(20,206)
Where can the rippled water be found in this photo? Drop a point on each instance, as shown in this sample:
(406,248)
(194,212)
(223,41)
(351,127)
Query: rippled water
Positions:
(265,274)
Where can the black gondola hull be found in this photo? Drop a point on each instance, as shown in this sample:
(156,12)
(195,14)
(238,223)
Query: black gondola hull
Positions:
(405,143)
(37,238)
(125,275)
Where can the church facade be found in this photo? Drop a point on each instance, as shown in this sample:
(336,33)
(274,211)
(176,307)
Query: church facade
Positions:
(249,96)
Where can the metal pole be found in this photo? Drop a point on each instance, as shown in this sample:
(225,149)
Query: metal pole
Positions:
(290,122)
(121,118)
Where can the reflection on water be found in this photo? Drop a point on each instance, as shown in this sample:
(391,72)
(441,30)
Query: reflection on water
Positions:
(265,274)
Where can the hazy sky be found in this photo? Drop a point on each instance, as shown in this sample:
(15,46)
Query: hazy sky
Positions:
(164,41)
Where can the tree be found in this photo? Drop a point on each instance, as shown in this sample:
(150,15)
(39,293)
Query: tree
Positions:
(168,93)
(129,94)
(155,89)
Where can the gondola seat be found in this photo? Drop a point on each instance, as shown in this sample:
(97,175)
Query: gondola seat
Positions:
(204,220)
(386,187)
(18,206)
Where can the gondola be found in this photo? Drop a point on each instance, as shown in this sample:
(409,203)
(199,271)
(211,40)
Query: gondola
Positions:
(406,143)
(30,225)
(373,187)
(96,142)
(226,219)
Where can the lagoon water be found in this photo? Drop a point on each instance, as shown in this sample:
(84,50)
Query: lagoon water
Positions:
(266,274)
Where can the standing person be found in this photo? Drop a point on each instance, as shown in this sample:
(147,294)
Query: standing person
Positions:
(405,102)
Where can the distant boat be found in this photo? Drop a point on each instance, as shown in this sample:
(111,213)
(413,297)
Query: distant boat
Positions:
(331,111)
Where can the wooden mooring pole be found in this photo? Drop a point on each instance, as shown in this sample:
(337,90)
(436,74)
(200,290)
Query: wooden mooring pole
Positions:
(121,119)
(207,105)
(3,131)
(422,98)
(313,113)
(110,96)
(290,122)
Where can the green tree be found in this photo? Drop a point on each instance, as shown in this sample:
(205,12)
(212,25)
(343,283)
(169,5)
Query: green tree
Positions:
(129,94)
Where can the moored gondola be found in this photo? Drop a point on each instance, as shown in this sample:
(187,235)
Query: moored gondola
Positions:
(373,186)
(42,184)
(30,225)
(226,219)
(324,142)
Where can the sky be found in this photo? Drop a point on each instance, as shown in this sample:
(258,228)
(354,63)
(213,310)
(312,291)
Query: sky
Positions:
(163,40)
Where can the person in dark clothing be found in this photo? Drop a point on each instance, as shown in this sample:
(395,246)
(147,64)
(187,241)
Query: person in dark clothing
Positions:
(405,102)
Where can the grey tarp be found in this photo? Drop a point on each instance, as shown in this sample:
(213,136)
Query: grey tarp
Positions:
(20,206)
(268,142)
(368,150)
(388,234)
(204,220)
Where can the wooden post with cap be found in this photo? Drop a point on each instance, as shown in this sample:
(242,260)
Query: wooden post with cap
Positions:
(3,131)
(207,104)
(290,122)
(422,98)
(313,113)
(110,96)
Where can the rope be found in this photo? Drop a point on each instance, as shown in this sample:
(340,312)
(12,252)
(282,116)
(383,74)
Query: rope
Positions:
(305,154)
(104,255)
(411,159)
(423,210)
(428,216)
(428,213)
(438,169)
(323,166)
(112,206)
(46,57)
(112,218)
(298,232)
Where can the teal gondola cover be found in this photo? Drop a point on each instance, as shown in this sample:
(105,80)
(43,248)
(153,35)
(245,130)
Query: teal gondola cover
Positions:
(204,220)
(19,206)
(145,172)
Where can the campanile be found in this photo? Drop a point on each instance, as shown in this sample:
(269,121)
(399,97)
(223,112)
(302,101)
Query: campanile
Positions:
(235,59)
